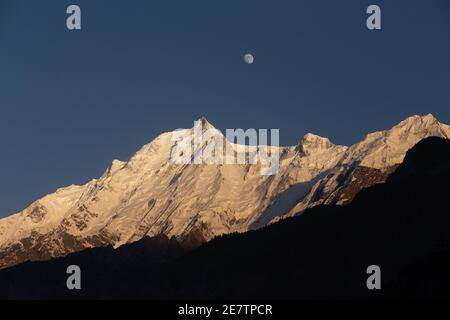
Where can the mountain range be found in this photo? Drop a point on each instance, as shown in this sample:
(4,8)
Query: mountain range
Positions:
(150,196)
(400,225)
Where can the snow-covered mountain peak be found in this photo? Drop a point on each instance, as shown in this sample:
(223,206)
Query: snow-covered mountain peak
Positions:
(417,124)
(383,149)
(203,127)
(150,194)
(204,122)
(115,165)
(417,120)
(312,142)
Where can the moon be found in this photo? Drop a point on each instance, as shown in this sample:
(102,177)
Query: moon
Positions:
(249,59)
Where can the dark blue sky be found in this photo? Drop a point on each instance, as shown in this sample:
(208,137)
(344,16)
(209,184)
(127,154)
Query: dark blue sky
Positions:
(71,102)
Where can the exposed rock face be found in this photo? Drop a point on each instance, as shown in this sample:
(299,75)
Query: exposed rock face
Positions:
(56,243)
(363,177)
(149,195)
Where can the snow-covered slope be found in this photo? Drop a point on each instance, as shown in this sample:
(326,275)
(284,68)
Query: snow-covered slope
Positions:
(371,161)
(149,194)
(386,148)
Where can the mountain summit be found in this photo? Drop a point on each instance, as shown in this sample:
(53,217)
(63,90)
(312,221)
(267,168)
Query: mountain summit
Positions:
(148,195)
(311,142)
